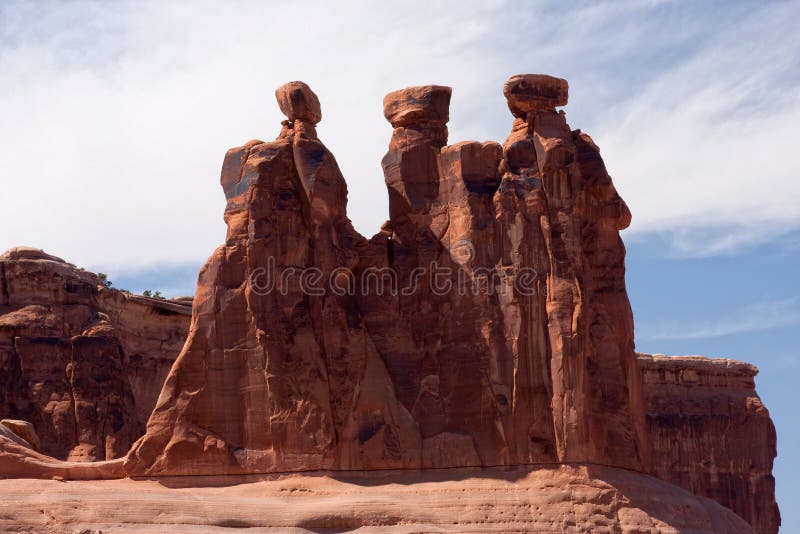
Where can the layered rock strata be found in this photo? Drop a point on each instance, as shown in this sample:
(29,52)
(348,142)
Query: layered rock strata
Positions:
(551,499)
(711,434)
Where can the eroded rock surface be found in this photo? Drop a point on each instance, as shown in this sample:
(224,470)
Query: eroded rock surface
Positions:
(533,362)
(711,434)
(24,430)
(275,378)
(563,499)
(82,363)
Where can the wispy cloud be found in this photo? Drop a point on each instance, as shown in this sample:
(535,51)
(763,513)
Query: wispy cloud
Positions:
(717,239)
(705,152)
(756,317)
(115,118)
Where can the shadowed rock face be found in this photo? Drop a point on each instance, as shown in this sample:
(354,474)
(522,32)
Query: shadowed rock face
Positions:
(519,350)
(711,434)
(82,362)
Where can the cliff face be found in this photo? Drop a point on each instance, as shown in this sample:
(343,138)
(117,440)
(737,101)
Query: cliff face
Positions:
(83,363)
(711,434)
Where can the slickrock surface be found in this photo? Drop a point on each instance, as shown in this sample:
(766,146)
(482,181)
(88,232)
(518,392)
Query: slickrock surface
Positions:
(81,362)
(19,460)
(544,500)
(24,430)
(711,434)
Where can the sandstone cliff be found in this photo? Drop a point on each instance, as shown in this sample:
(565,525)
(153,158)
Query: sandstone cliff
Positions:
(711,434)
(82,362)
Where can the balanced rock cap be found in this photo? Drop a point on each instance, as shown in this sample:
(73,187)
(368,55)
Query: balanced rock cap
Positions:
(417,104)
(298,101)
(535,92)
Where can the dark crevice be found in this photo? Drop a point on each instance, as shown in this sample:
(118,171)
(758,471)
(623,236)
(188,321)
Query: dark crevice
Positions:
(69,372)
(389,251)
(4,294)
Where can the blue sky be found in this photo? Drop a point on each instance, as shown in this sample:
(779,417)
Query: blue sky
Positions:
(116,119)
(743,305)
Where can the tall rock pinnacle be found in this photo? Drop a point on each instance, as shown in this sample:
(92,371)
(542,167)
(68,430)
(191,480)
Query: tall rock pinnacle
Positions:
(515,346)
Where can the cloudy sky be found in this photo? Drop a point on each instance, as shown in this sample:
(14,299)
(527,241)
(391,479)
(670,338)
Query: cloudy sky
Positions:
(115,119)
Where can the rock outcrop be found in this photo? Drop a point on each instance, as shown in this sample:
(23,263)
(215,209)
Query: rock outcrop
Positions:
(547,499)
(711,435)
(19,460)
(24,430)
(81,362)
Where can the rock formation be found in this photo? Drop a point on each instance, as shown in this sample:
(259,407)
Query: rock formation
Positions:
(532,363)
(485,326)
(278,378)
(711,434)
(83,363)
(23,430)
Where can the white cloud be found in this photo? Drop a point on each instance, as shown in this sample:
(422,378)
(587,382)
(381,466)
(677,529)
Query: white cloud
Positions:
(755,317)
(115,120)
(707,150)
